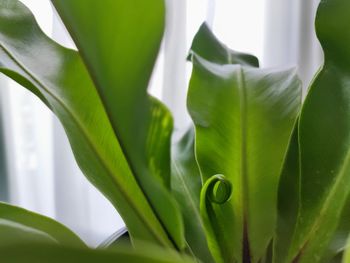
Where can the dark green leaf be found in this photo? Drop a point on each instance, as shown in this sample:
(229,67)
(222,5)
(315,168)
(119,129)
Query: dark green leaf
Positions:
(288,200)
(324,138)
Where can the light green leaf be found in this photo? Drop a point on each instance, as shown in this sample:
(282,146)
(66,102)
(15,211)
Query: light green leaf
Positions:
(119,42)
(18,225)
(244,119)
(324,138)
(346,255)
(34,253)
(58,76)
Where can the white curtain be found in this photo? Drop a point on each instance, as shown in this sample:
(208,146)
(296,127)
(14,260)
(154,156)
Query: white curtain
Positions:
(290,38)
(41,172)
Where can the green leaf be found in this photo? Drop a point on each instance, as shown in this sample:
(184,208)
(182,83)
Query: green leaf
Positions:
(34,253)
(13,233)
(339,240)
(324,138)
(244,119)
(206,45)
(186,186)
(288,200)
(215,193)
(186,179)
(58,76)
(18,225)
(158,141)
(119,42)
(336,259)
(346,255)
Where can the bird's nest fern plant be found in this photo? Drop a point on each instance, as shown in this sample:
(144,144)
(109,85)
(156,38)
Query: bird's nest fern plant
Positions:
(260,176)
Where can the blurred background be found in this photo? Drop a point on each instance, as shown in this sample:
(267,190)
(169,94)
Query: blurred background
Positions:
(37,168)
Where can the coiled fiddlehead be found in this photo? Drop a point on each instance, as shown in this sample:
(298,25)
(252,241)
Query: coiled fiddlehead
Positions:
(215,194)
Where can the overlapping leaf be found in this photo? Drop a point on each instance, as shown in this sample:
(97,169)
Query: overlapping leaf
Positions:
(186,186)
(34,253)
(186,180)
(19,225)
(59,78)
(324,136)
(119,42)
(288,200)
(244,118)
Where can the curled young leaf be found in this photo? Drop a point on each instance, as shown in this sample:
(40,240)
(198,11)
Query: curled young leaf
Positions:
(215,193)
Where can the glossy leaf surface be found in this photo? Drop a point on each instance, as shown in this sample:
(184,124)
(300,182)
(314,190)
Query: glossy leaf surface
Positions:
(324,136)
(58,76)
(119,42)
(244,118)
(19,225)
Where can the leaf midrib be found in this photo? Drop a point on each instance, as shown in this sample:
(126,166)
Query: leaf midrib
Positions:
(243,173)
(243,148)
(90,143)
